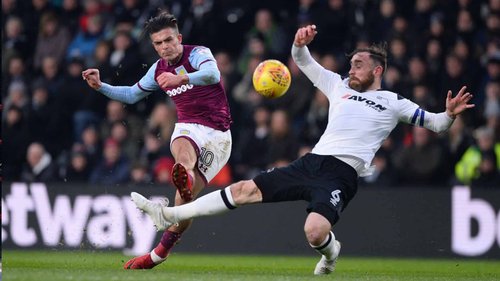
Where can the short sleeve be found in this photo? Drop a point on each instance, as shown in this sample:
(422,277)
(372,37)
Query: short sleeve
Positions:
(200,55)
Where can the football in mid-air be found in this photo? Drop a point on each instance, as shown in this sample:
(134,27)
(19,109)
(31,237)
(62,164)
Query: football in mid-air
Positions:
(271,78)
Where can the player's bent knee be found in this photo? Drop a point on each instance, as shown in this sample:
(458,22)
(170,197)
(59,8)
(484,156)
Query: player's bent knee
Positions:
(316,229)
(245,192)
(316,235)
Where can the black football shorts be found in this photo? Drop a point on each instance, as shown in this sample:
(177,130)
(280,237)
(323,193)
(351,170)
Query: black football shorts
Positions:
(327,183)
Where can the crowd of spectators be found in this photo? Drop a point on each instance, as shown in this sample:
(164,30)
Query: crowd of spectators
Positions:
(55,128)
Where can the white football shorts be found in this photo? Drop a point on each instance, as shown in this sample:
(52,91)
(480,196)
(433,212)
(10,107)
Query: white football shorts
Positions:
(213,146)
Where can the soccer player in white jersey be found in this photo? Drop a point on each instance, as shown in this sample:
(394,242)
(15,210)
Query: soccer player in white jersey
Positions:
(361,116)
(201,141)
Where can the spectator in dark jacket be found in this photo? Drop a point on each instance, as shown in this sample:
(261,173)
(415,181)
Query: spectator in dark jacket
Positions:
(15,126)
(39,167)
(113,168)
(77,169)
(424,162)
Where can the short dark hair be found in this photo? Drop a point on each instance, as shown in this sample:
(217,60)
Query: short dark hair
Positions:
(378,53)
(161,21)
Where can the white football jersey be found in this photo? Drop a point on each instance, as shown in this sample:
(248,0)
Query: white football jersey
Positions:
(358,123)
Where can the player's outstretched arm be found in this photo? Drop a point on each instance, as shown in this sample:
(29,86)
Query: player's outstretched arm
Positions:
(126,94)
(437,122)
(458,104)
(305,35)
(306,63)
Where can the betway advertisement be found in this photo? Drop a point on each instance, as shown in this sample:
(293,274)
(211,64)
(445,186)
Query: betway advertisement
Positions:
(36,216)
(413,222)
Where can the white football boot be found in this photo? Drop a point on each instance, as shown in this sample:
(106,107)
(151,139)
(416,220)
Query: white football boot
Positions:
(324,266)
(153,209)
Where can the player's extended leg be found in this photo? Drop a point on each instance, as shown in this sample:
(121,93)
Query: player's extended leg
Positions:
(169,238)
(217,202)
(200,152)
(189,183)
(319,235)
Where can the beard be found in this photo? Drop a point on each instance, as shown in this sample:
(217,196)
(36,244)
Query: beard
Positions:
(361,85)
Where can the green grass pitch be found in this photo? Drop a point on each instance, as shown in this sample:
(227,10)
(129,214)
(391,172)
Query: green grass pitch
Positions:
(86,265)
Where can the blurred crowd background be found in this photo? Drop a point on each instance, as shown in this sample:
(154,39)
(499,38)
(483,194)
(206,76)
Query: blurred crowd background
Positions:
(56,129)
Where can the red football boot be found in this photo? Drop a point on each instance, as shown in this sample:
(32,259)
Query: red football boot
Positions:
(183,182)
(142,262)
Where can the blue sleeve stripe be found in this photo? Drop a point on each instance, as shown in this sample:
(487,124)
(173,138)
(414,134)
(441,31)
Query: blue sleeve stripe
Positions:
(422,114)
(415,115)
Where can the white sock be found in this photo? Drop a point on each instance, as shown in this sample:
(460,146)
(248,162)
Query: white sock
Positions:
(155,258)
(327,247)
(213,203)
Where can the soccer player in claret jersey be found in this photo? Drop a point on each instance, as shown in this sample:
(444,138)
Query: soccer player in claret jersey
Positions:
(201,141)
(361,116)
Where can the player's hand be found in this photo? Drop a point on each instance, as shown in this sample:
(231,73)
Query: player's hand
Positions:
(305,35)
(167,79)
(458,104)
(92,77)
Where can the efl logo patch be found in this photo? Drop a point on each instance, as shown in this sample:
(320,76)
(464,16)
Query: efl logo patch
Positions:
(383,99)
(202,51)
(180,70)
(185,132)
